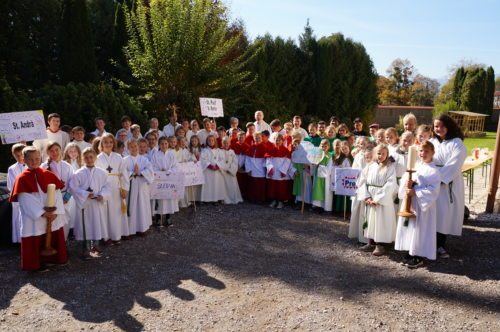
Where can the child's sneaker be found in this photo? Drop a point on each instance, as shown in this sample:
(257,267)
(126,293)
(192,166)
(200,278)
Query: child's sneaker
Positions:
(415,262)
(367,247)
(280,205)
(441,253)
(273,204)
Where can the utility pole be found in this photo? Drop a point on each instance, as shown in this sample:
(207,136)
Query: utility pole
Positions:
(495,173)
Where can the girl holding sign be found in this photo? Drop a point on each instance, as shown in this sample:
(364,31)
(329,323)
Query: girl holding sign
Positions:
(140,175)
(164,161)
(342,160)
(378,194)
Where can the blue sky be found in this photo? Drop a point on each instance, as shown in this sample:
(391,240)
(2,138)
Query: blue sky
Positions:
(433,35)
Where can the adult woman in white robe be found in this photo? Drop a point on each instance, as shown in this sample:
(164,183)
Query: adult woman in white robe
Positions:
(378,194)
(112,163)
(229,168)
(213,190)
(90,211)
(140,175)
(164,160)
(449,158)
(417,235)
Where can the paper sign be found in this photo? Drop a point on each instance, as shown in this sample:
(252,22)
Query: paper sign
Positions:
(344,181)
(193,174)
(211,107)
(167,185)
(22,126)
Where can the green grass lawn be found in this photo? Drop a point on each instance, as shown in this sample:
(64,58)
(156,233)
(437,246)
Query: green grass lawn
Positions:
(483,142)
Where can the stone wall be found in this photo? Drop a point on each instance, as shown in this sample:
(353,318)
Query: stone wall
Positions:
(388,116)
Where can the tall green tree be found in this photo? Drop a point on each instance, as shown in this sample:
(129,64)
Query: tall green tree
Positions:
(78,62)
(178,49)
(346,81)
(458,82)
(489,91)
(29,41)
(281,77)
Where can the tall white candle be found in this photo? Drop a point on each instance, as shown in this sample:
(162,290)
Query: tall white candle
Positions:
(412,158)
(51,195)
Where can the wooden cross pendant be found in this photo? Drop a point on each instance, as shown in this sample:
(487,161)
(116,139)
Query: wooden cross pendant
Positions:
(109,169)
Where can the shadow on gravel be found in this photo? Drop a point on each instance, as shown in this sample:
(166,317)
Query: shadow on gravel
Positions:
(310,252)
(108,288)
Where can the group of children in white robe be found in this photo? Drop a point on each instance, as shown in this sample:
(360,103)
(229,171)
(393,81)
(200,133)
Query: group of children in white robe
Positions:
(435,190)
(107,196)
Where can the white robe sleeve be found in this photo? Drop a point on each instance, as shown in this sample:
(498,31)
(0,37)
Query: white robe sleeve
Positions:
(80,194)
(454,162)
(428,192)
(147,170)
(362,191)
(285,165)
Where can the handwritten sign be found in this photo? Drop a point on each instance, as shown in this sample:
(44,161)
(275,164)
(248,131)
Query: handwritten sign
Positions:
(22,126)
(167,185)
(193,174)
(344,181)
(211,107)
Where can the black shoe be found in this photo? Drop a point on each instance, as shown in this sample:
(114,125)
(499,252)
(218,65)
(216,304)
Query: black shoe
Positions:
(415,262)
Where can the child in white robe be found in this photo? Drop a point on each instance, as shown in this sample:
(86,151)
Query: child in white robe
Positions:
(91,189)
(417,235)
(229,168)
(164,161)
(73,156)
(140,175)
(279,173)
(391,139)
(378,194)
(358,208)
(64,172)
(112,163)
(194,155)
(182,156)
(12,173)
(400,157)
(213,190)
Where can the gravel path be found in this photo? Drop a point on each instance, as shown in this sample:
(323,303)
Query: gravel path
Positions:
(251,268)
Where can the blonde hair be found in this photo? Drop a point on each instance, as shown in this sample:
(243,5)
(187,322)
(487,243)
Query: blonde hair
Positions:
(66,156)
(383,146)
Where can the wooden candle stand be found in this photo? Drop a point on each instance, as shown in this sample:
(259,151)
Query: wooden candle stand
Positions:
(407,213)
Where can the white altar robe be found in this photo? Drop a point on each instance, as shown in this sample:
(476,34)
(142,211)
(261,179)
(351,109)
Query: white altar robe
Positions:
(229,168)
(165,161)
(139,197)
(64,171)
(94,212)
(12,173)
(419,236)
(117,220)
(213,190)
(449,158)
(358,207)
(380,185)
(32,208)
